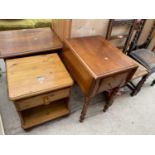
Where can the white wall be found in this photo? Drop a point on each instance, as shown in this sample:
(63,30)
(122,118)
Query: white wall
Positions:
(90,27)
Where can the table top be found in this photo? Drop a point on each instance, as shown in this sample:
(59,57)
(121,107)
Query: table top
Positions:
(34,75)
(99,56)
(27,41)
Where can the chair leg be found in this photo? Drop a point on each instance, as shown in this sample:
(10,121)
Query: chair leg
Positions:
(139,85)
(153,82)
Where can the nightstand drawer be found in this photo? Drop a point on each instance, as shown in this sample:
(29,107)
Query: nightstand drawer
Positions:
(42,99)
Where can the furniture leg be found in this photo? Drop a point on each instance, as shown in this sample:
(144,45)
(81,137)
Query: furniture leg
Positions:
(85,107)
(139,85)
(130,86)
(110,98)
(153,82)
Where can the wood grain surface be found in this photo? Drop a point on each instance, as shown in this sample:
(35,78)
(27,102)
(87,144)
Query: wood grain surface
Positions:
(44,113)
(96,65)
(99,56)
(27,41)
(35,75)
(43,99)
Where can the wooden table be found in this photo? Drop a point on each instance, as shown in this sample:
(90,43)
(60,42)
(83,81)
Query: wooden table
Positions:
(40,88)
(28,41)
(97,66)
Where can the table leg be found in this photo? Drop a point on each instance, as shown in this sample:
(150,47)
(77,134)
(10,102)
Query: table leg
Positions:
(110,96)
(85,107)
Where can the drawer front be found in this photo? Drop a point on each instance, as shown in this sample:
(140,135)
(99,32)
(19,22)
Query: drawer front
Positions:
(113,81)
(42,99)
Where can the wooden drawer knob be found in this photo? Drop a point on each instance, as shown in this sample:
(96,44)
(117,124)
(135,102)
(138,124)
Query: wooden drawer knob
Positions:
(46,100)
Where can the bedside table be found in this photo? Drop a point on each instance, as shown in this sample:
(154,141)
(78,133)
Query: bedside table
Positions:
(97,66)
(40,88)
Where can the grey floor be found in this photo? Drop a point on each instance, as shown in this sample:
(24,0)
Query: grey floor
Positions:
(1,126)
(128,115)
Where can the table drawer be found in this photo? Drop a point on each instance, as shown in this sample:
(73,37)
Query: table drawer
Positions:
(42,99)
(113,81)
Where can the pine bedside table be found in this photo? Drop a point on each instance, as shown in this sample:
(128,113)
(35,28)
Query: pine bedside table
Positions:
(40,88)
(97,66)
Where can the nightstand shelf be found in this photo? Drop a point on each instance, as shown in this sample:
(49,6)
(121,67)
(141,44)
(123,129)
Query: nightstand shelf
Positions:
(44,113)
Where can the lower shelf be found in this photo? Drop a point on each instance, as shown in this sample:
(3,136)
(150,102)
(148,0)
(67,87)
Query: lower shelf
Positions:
(44,113)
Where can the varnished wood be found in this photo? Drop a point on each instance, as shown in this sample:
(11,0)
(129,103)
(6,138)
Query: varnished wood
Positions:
(28,41)
(77,68)
(43,99)
(85,107)
(96,66)
(40,88)
(109,30)
(100,58)
(111,82)
(35,75)
(110,96)
(62,27)
(115,23)
(44,113)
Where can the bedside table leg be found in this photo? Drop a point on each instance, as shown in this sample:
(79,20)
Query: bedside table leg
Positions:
(85,107)
(110,98)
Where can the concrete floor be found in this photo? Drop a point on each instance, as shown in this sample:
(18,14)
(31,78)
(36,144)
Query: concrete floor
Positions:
(1,127)
(128,115)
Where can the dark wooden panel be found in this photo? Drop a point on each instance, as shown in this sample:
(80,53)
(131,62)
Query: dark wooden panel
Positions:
(97,66)
(80,73)
(112,82)
(27,41)
(100,56)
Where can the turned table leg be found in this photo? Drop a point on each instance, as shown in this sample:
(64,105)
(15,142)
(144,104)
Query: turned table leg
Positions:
(85,107)
(110,96)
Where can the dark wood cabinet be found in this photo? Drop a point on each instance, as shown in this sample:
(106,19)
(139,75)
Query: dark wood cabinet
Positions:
(26,42)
